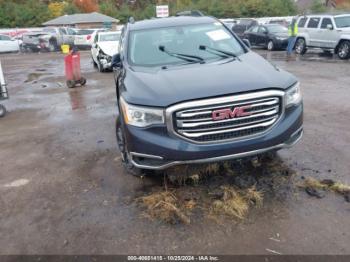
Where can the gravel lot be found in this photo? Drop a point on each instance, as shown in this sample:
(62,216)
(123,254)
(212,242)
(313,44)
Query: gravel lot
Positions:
(63,189)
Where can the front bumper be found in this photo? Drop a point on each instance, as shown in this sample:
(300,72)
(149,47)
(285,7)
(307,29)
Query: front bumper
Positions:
(281,44)
(153,148)
(106,63)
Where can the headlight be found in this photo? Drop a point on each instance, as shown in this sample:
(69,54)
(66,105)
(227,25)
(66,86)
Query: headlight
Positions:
(141,116)
(293,95)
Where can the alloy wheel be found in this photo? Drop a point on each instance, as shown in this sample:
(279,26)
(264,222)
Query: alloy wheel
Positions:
(343,51)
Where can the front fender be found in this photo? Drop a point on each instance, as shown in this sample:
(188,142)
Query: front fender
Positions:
(305,36)
(344,37)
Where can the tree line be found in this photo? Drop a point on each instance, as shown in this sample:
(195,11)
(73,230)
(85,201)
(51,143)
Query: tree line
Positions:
(27,13)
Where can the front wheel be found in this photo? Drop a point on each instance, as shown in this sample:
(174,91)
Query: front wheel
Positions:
(121,141)
(52,46)
(300,46)
(100,67)
(270,46)
(344,50)
(2,110)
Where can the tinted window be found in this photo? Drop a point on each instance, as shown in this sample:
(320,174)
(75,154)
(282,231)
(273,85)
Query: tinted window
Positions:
(313,22)
(325,22)
(144,44)
(302,22)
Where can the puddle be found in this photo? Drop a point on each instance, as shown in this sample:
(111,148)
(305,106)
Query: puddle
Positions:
(34,76)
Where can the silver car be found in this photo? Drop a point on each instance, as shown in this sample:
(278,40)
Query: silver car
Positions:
(328,32)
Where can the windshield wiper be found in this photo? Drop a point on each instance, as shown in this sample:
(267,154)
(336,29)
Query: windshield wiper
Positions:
(187,58)
(222,53)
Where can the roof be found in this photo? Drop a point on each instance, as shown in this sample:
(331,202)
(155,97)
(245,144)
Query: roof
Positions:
(330,14)
(170,21)
(81,18)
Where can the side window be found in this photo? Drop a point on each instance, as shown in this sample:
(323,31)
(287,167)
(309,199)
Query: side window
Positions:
(302,22)
(5,38)
(313,22)
(254,29)
(262,30)
(62,31)
(96,38)
(325,22)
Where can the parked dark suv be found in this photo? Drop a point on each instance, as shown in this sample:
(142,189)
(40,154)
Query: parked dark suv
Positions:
(190,91)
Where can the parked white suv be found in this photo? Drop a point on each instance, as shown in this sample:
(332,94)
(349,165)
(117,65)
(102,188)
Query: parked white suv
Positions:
(328,32)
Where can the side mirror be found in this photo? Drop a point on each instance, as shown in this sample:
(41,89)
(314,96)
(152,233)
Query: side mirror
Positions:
(116,61)
(247,43)
(330,27)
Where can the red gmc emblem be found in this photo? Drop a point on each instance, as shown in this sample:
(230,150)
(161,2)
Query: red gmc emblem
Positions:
(228,113)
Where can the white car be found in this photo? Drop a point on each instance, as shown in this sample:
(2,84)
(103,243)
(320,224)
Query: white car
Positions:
(84,38)
(331,33)
(7,44)
(104,47)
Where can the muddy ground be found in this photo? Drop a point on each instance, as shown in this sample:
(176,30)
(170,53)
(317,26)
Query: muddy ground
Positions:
(63,189)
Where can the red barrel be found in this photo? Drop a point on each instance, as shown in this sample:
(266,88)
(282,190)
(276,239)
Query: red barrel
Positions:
(72,70)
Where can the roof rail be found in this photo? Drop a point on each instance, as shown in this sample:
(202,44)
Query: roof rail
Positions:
(195,13)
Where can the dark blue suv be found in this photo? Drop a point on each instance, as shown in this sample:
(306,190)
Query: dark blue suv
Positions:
(190,91)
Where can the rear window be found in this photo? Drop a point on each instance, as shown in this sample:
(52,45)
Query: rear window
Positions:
(85,32)
(302,22)
(313,22)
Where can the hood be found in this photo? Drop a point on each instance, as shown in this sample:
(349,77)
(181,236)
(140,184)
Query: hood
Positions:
(284,35)
(165,87)
(109,47)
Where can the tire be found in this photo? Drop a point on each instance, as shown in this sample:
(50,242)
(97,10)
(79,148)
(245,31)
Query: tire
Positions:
(2,111)
(128,166)
(300,46)
(94,63)
(270,45)
(70,83)
(343,50)
(83,81)
(53,46)
(100,67)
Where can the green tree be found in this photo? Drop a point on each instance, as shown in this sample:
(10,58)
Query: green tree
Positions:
(318,6)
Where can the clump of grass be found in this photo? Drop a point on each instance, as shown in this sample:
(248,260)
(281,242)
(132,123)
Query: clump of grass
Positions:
(236,203)
(314,183)
(254,196)
(326,185)
(164,206)
(340,188)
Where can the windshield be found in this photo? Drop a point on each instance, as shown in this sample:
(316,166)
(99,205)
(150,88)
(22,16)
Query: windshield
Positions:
(278,29)
(144,44)
(343,21)
(109,37)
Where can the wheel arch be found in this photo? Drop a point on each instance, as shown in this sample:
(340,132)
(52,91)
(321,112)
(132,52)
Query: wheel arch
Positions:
(342,39)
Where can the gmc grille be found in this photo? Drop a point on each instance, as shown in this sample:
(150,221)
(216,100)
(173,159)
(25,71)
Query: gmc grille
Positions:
(194,120)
